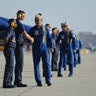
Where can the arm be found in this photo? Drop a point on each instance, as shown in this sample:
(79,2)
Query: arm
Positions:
(8,35)
(6,40)
(28,37)
(74,42)
(22,30)
(80,43)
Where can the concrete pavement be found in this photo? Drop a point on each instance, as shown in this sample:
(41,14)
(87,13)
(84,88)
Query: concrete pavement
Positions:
(83,83)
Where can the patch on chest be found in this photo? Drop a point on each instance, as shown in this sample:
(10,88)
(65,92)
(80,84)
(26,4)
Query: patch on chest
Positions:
(36,33)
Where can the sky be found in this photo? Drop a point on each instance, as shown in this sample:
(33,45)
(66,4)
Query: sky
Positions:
(80,14)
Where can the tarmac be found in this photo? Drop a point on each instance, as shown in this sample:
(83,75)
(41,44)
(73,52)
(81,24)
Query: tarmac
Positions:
(83,83)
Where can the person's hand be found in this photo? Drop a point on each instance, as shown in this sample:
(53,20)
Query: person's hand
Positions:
(60,42)
(32,40)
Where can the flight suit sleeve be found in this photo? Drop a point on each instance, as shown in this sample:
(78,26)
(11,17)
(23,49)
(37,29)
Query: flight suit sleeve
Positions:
(31,32)
(9,33)
(74,41)
(20,27)
(80,44)
(7,36)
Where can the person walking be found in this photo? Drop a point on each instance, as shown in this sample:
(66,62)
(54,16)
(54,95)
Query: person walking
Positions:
(66,38)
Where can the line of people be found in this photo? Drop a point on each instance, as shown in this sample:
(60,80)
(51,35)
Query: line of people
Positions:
(42,43)
(69,45)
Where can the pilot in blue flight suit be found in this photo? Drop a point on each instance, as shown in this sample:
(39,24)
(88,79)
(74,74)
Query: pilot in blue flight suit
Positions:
(79,46)
(9,53)
(74,46)
(49,27)
(66,38)
(41,37)
(19,55)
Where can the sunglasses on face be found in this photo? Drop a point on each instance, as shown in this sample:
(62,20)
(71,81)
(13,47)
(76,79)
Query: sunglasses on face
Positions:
(37,20)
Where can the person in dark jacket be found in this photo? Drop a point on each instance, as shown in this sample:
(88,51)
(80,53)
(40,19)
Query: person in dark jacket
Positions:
(9,53)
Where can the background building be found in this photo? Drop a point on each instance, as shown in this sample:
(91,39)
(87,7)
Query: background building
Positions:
(88,39)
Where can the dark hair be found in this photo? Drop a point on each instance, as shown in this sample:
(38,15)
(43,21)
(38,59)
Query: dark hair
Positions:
(20,12)
(40,14)
(11,20)
(47,24)
(54,28)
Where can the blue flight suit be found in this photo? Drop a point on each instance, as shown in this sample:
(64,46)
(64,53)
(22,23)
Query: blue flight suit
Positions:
(48,46)
(41,38)
(64,65)
(74,46)
(54,54)
(66,49)
(9,53)
(79,46)
(19,55)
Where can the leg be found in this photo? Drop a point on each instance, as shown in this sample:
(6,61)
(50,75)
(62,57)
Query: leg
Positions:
(8,74)
(60,63)
(36,60)
(47,67)
(70,61)
(54,60)
(43,64)
(75,60)
(64,62)
(79,57)
(19,65)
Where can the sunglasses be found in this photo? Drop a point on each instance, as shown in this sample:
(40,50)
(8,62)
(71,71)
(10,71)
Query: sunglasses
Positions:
(37,20)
